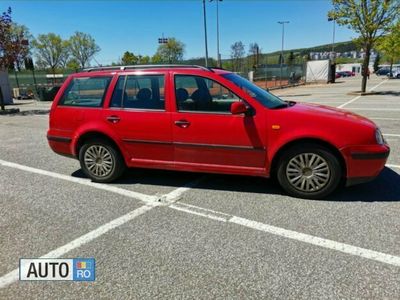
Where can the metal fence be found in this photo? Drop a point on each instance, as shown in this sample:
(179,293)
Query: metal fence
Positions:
(271,76)
(29,79)
(39,84)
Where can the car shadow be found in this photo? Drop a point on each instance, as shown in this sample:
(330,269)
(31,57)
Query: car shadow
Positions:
(385,188)
(388,93)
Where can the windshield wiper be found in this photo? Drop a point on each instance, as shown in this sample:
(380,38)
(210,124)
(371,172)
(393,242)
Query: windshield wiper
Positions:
(291,103)
(283,105)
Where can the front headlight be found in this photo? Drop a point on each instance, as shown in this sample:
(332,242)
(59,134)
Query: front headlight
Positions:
(379,137)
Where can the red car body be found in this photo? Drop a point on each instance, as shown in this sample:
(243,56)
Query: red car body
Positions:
(211,142)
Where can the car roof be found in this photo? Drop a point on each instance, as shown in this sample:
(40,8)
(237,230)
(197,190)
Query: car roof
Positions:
(148,68)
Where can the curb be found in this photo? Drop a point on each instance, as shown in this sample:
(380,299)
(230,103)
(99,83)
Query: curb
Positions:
(9,111)
(17,112)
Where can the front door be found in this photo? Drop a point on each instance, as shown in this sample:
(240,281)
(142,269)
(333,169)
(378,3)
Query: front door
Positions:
(206,135)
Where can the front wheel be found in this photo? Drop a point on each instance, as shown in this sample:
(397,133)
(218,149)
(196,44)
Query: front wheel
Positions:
(309,171)
(101,161)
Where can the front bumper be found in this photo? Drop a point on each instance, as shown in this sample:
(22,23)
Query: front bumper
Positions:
(364,162)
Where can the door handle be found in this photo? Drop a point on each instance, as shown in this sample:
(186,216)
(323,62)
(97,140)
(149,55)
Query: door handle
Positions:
(182,123)
(113,119)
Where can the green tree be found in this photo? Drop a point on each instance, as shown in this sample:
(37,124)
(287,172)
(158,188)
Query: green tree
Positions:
(254,52)
(171,52)
(156,59)
(377,62)
(66,56)
(281,59)
(83,47)
(390,45)
(370,19)
(73,64)
(20,37)
(5,57)
(144,60)
(291,58)
(237,54)
(129,58)
(14,45)
(50,49)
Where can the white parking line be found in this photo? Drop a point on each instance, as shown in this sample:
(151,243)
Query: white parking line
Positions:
(198,213)
(293,235)
(348,102)
(358,97)
(374,109)
(393,166)
(84,239)
(388,119)
(90,236)
(106,187)
(321,242)
(378,85)
(391,134)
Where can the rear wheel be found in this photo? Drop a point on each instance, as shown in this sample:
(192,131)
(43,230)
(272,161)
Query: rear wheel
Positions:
(309,171)
(101,161)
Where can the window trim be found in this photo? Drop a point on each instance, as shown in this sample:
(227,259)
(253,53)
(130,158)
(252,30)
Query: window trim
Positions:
(202,111)
(121,107)
(103,98)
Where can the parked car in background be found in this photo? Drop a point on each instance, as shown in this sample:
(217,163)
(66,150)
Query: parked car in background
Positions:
(382,71)
(394,74)
(344,74)
(197,119)
(349,73)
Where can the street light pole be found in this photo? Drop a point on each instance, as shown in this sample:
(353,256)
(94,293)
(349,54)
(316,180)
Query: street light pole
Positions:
(333,38)
(283,42)
(218,53)
(205,32)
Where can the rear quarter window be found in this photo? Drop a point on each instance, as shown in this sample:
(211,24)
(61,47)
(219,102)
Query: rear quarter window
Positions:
(86,91)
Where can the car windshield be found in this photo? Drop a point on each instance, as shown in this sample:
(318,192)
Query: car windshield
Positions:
(262,96)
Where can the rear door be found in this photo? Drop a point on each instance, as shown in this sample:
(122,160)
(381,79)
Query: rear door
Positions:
(138,114)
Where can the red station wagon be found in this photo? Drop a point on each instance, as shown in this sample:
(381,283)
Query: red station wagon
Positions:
(197,119)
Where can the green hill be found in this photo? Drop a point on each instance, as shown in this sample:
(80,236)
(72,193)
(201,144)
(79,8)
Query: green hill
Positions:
(339,47)
(273,57)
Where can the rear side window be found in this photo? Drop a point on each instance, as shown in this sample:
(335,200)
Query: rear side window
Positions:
(86,91)
(140,92)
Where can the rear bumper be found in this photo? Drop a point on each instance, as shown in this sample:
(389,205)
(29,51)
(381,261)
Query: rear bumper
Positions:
(365,162)
(60,145)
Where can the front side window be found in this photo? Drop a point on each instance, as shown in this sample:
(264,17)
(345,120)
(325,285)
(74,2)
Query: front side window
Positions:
(139,91)
(195,93)
(86,91)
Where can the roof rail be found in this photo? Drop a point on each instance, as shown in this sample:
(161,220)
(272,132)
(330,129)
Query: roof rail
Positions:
(122,68)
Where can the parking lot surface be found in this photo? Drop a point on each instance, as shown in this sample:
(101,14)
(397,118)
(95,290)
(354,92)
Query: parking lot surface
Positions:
(161,234)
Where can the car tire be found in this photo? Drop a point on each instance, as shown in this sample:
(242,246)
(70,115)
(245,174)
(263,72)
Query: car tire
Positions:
(309,171)
(101,161)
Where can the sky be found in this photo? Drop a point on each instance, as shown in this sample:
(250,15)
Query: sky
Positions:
(118,26)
